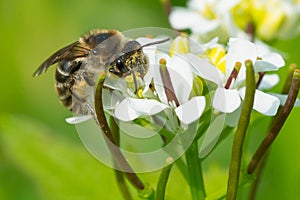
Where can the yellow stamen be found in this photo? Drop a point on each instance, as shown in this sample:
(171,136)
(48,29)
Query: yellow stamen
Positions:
(140,93)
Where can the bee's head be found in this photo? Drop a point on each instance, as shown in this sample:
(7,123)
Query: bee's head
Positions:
(132,59)
(127,59)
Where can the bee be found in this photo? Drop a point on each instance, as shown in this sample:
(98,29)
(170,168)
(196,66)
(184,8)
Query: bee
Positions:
(79,63)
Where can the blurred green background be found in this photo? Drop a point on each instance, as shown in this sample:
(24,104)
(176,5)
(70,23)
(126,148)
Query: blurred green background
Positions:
(41,156)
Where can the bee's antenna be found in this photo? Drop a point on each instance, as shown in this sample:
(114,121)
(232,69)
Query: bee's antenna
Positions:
(156,42)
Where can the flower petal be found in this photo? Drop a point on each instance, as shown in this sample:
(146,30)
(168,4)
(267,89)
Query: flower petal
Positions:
(196,5)
(224,6)
(239,50)
(210,26)
(78,119)
(205,69)
(275,59)
(283,98)
(181,74)
(263,102)
(182,18)
(226,100)
(130,108)
(270,61)
(268,81)
(263,66)
(191,110)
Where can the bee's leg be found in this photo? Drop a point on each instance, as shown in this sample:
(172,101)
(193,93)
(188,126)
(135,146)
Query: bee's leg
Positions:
(78,97)
(92,112)
(88,78)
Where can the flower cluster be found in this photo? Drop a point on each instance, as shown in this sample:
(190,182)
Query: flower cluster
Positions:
(265,19)
(190,94)
(173,76)
(194,91)
(166,93)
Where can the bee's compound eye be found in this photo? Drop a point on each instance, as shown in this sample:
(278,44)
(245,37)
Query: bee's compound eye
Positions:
(101,37)
(131,46)
(121,65)
(96,39)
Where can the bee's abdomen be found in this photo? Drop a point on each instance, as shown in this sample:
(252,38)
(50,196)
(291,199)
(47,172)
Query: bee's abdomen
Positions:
(65,76)
(63,88)
(66,69)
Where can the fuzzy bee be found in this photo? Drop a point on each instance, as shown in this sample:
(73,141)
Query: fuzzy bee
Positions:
(80,62)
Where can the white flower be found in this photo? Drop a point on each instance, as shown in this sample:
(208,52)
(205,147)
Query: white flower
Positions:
(181,77)
(273,19)
(206,18)
(188,110)
(227,99)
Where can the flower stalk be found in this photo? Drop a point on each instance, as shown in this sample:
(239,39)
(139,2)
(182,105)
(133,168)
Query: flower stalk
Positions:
(277,123)
(261,166)
(238,141)
(167,6)
(289,78)
(163,179)
(119,175)
(110,141)
(195,172)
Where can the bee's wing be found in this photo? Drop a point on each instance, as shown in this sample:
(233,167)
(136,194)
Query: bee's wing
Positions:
(72,51)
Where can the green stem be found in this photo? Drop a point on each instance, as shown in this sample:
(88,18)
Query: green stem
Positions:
(162,131)
(289,79)
(110,141)
(163,179)
(261,166)
(255,184)
(119,175)
(277,124)
(195,172)
(169,136)
(238,141)
(122,185)
(167,6)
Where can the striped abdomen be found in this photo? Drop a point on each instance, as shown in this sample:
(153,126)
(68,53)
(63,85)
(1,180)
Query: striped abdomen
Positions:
(71,84)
